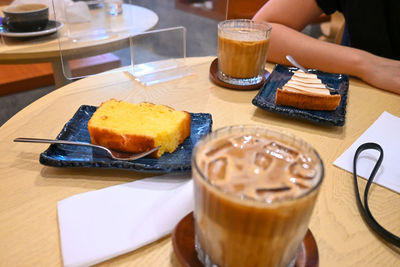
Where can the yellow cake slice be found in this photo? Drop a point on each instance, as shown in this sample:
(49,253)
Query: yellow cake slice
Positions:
(124,126)
(306,91)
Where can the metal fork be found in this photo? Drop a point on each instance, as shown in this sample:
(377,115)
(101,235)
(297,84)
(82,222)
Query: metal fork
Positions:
(114,154)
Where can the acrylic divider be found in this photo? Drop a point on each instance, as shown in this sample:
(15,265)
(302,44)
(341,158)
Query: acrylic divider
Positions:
(159,56)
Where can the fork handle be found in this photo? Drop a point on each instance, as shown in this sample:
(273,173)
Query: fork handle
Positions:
(51,141)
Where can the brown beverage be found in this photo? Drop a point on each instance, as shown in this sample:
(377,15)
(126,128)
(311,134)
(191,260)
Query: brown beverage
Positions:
(242,50)
(241,58)
(255,190)
(26,7)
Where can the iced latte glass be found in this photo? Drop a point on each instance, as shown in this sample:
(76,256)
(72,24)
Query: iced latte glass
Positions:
(242,51)
(255,189)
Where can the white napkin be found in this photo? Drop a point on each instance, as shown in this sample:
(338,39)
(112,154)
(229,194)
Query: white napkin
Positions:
(65,10)
(103,224)
(385,132)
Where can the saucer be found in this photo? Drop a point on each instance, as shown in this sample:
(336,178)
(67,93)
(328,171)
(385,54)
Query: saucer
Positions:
(51,27)
(185,253)
(215,79)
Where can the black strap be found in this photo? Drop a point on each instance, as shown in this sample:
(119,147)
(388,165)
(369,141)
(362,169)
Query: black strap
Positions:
(364,209)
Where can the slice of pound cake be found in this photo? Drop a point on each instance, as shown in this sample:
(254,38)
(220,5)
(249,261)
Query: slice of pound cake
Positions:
(123,126)
(306,91)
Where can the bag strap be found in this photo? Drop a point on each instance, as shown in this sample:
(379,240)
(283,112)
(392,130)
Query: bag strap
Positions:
(364,209)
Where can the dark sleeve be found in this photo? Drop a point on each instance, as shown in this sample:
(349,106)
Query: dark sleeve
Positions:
(328,6)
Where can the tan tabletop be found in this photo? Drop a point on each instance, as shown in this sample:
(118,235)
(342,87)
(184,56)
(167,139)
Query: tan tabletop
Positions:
(114,36)
(29,191)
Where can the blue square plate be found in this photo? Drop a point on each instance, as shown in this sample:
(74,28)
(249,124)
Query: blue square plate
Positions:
(78,156)
(265,98)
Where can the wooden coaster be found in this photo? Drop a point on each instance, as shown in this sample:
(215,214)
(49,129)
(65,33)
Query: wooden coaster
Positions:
(185,253)
(215,79)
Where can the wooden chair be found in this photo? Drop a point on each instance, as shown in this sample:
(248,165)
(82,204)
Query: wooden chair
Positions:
(332,31)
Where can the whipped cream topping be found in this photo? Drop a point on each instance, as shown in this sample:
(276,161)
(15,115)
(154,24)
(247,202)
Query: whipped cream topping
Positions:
(305,83)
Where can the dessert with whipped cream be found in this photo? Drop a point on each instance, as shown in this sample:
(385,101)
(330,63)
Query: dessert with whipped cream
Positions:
(306,91)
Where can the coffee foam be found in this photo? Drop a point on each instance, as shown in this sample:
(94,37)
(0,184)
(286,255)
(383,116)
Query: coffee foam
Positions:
(258,167)
(243,34)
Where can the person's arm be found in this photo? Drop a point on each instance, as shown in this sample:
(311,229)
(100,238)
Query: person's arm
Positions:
(289,17)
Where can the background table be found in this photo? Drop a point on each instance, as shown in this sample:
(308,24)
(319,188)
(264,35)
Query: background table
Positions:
(47,49)
(29,191)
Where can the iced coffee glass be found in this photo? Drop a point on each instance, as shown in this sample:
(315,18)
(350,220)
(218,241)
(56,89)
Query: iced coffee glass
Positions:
(242,51)
(255,189)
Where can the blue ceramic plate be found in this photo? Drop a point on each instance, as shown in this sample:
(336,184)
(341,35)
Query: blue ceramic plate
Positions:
(78,156)
(265,98)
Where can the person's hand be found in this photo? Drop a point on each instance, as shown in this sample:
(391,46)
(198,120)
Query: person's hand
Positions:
(382,73)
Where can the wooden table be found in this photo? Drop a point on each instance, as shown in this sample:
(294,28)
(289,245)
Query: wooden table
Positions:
(29,191)
(47,48)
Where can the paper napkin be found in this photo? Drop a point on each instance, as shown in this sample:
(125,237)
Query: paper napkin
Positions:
(385,131)
(103,224)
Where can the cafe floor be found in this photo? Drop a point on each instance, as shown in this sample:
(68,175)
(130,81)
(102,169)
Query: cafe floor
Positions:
(201,41)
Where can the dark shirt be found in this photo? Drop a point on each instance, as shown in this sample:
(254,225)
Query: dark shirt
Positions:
(372,25)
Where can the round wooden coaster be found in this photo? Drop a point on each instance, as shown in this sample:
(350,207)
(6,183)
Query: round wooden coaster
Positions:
(214,78)
(185,253)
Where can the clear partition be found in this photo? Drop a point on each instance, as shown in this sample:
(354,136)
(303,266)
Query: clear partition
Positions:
(137,32)
(159,56)
(96,34)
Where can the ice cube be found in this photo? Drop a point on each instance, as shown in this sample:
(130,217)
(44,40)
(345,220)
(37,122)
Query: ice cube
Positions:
(304,158)
(280,151)
(219,146)
(300,184)
(236,152)
(262,160)
(302,170)
(244,140)
(217,169)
